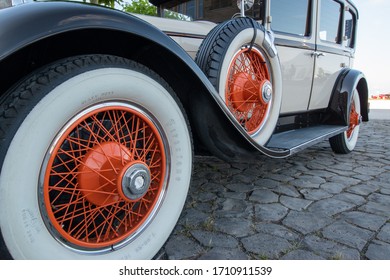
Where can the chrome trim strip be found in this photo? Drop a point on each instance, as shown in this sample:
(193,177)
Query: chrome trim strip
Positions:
(184,35)
(317,140)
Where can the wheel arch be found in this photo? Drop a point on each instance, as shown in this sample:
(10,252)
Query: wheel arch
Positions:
(339,105)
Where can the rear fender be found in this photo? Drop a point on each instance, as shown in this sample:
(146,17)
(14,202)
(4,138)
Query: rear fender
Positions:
(340,102)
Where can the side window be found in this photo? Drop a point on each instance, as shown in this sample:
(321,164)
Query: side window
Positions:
(349,34)
(291,18)
(330,13)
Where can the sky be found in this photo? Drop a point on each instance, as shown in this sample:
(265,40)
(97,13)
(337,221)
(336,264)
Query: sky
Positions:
(373,44)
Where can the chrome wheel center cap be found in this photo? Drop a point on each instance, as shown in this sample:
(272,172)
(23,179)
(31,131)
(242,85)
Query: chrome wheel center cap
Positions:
(136,181)
(266,92)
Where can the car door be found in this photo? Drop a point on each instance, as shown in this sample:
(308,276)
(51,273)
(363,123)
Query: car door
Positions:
(295,42)
(333,52)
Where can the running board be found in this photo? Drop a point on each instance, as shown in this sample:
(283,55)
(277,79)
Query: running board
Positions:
(299,139)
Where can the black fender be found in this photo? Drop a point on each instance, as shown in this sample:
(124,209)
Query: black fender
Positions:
(33,35)
(339,105)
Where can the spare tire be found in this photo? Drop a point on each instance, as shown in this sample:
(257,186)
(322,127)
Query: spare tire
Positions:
(241,62)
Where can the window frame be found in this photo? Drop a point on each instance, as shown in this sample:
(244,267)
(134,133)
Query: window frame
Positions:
(308,23)
(352,40)
(340,28)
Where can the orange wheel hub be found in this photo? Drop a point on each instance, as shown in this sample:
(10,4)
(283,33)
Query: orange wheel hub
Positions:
(248,90)
(105,177)
(99,170)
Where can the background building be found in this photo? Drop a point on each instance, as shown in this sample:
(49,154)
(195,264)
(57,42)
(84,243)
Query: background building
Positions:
(5,3)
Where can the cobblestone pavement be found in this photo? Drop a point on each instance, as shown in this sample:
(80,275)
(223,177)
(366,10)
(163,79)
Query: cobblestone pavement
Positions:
(313,205)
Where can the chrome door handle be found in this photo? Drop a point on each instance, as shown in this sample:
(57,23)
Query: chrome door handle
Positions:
(317,54)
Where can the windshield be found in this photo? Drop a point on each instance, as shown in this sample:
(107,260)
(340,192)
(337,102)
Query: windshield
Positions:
(211,10)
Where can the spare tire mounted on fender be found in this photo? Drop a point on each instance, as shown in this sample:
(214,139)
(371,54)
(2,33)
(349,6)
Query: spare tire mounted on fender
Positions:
(238,58)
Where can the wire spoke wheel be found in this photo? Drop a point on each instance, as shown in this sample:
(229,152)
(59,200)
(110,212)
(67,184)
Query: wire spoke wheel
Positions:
(106,153)
(249,91)
(105,176)
(345,142)
(246,75)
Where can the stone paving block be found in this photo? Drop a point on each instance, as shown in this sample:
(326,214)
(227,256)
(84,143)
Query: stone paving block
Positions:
(205,207)
(266,183)
(350,198)
(315,194)
(333,188)
(295,203)
(287,190)
(330,206)
(213,187)
(380,198)
(238,227)
(306,183)
(240,187)
(364,220)
(378,251)
(270,212)
(306,222)
(348,234)
(277,230)
(265,245)
(242,178)
(363,189)
(301,255)
(233,207)
(364,178)
(380,182)
(369,170)
(317,165)
(385,191)
(233,195)
(340,172)
(279,177)
(198,182)
(206,196)
(180,247)
(376,208)
(385,177)
(346,180)
(321,173)
(264,196)
(193,218)
(329,249)
(224,254)
(214,239)
(384,233)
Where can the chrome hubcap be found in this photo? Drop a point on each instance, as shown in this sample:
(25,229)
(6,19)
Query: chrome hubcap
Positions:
(266,91)
(136,181)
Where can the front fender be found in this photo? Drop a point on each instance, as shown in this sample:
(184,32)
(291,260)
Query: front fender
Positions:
(29,24)
(25,24)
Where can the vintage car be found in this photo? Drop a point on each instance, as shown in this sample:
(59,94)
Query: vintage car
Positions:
(102,111)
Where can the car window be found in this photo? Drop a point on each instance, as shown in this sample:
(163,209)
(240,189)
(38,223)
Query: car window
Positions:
(291,18)
(330,15)
(213,10)
(349,34)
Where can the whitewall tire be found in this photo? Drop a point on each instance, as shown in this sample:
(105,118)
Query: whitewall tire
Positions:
(345,142)
(246,74)
(97,163)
